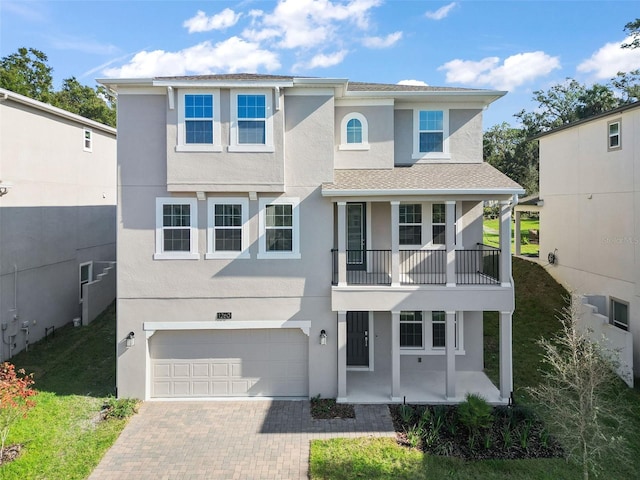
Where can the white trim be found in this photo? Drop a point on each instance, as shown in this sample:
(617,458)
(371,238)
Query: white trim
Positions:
(80,282)
(192,254)
(234,145)
(87,147)
(211,251)
(262,237)
(417,154)
(364,125)
(427,337)
(304,325)
(181,144)
(409,191)
(309,91)
(364,102)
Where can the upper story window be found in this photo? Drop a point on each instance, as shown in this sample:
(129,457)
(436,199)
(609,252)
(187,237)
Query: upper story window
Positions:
(410,224)
(176,229)
(619,314)
(438,224)
(614,137)
(430,136)
(88,140)
(228,229)
(199,121)
(354,132)
(251,122)
(279,223)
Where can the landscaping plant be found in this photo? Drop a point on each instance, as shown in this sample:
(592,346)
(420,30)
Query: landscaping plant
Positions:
(15,399)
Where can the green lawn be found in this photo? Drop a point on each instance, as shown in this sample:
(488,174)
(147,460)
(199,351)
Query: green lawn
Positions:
(74,372)
(538,298)
(491,229)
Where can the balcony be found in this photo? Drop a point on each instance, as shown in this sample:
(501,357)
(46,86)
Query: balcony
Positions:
(476,266)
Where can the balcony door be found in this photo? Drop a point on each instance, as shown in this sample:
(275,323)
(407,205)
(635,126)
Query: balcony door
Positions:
(356,236)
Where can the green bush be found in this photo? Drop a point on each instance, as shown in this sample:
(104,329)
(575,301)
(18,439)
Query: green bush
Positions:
(120,407)
(475,413)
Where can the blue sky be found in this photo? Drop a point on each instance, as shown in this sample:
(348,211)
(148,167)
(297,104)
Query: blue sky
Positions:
(519,46)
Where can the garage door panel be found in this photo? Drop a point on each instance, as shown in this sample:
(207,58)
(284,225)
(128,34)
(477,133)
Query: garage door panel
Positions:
(229,363)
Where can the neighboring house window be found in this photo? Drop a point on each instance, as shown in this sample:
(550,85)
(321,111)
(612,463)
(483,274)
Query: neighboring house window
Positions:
(251,122)
(354,132)
(86,275)
(199,121)
(176,229)
(228,228)
(613,128)
(279,228)
(411,335)
(410,224)
(438,223)
(88,140)
(431,134)
(619,313)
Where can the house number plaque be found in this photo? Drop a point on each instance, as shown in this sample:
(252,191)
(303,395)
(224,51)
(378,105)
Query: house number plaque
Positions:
(223,316)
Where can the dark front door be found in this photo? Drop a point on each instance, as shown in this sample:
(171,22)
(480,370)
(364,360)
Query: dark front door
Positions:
(357,339)
(356,236)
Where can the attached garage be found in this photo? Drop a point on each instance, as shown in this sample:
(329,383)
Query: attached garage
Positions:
(233,363)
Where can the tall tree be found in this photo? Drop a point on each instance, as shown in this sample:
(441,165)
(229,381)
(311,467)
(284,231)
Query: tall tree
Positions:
(26,72)
(633,30)
(97,104)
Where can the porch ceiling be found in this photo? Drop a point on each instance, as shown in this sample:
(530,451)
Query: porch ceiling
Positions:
(422,179)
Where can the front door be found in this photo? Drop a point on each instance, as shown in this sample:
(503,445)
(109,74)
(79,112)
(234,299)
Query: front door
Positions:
(357,339)
(356,236)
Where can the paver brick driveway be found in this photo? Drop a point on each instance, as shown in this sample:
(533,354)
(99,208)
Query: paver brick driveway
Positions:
(250,440)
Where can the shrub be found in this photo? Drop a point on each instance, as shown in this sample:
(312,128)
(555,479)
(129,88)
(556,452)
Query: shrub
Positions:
(120,407)
(15,399)
(475,413)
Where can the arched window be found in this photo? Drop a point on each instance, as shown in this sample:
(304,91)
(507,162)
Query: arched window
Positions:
(354,132)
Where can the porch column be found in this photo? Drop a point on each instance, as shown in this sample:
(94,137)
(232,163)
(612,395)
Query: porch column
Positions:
(450,351)
(450,240)
(395,243)
(516,233)
(342,357)
(505,243)
(395,357)
(506,359)
(342,244)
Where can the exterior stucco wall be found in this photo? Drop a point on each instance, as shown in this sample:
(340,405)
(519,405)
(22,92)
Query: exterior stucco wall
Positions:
(381,142)
(591,212)
(60,212)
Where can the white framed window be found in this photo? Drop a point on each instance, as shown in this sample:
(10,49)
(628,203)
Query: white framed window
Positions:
(410,224)
(438,223)
(354,132)
(87,145)
(430,134)
(411,330)
(199,121)
(85,274)
(251,121)
(425,332)
(176,229)
(614,135)
(619,313)
(279,224)
(228,228)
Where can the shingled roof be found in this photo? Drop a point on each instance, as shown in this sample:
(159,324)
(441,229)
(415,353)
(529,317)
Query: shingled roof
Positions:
(423,179)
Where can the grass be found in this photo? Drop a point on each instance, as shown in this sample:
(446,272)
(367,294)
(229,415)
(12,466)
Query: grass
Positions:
(63,435)
(491,228)
(538,298)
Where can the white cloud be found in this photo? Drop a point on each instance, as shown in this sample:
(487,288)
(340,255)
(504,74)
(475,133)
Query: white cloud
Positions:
(382,42)
(611,59)
(322,60)
(416,83)
(68,42)
(231,55)
(442,12)
(201,23)
(516,70)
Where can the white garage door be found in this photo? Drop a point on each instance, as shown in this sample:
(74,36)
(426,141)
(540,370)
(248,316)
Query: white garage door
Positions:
(236,363)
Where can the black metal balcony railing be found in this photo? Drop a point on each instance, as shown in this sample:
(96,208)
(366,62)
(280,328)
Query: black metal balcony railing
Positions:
(478,266)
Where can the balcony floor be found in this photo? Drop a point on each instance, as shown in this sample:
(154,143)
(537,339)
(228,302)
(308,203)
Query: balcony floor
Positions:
(355,277)
(418,387)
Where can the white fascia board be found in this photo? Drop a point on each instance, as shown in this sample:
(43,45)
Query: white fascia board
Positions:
(484,97)
(144,82)
(59,112)
(333,82)
(364,102)
(420,192)
(303,325)
(223,84)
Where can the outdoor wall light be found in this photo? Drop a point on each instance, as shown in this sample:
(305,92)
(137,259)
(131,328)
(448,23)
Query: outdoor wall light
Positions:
(323,337)
(131,341)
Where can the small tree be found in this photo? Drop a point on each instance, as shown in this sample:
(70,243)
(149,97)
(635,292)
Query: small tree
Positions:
(577,395)
(15,399)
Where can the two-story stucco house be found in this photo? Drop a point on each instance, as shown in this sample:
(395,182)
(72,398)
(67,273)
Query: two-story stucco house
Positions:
(590,222)
(292,237)
(57,219)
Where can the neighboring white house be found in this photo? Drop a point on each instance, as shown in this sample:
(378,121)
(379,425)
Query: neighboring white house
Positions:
(291,237)
(590,222)
(57,218)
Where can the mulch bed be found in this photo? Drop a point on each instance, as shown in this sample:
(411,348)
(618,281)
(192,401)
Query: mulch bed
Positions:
(515,433)
(327,408)
(10,453)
